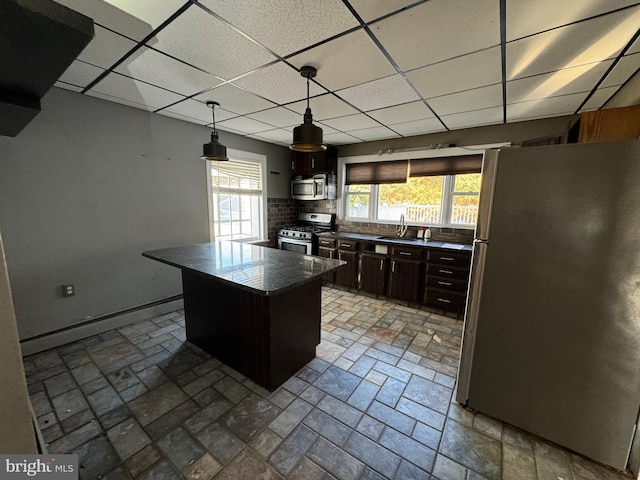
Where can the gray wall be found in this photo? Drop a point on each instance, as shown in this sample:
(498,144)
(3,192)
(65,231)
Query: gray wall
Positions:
(85,188)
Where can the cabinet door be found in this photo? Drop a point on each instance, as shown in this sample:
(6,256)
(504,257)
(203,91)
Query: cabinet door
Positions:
(373,273)
(309,163)
(404,279)
(328,253)
(347,276)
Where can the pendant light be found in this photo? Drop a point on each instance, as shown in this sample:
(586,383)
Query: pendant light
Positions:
(307,137)
(214,150)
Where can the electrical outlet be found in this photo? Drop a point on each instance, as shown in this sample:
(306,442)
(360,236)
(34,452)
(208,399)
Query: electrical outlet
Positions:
(68,290)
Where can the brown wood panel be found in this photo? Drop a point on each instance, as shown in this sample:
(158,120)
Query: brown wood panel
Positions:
(404,279)
(373,272)
(610,124)
(347,276)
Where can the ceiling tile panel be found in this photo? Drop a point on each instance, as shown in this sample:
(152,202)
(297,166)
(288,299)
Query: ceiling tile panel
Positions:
(458,74)
(198,111)
(244,124)
(438,30)
(80,74)
(635,47)
(278,135)
(323,107)
(163,71)
(365,60)
(152,13)
(280,116)
(570,80)
(106,48)
(286,26)
(568,46)
(525,17)
(487,116)
(376,133)
(125,90)
(280,83)
(402,113)
(68,86)
(599,98)
(351,122)
(417,127)
(340,139)
(384,92)
(476,99)
(198,38)
(624,69)
(546,107)
(372,9)
(235,99)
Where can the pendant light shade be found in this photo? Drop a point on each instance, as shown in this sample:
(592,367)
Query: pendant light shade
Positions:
(214,150)
(307,137)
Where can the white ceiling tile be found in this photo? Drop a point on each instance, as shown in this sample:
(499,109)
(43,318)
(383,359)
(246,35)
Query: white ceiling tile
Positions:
(439,29)
(244,124)
(323,107)
(286,26)
(372,9)
(280,117)
(402,113)
(133,92)
(599,98)
(571,46)
(106,48)
(235,99)
(458,74)
(624,69)
(479,98)
(418,127)
(526,17)
(351,122)
(364,59)
(200,39)
(279,83)
(278,135)
(340,139)
(487,116)
(384,92)
(153,13)
(115,18)
(635,47)
(546,107)
(376,133)
(570,80)
(80,74)
(67,86)
(163,71)
(198,111)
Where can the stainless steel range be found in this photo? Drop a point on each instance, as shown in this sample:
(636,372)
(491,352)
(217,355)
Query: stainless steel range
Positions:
(302,237)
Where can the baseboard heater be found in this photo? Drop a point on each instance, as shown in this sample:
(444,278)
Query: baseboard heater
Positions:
(101,324)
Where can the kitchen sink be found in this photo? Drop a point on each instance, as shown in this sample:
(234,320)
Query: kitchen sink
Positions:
(397,238)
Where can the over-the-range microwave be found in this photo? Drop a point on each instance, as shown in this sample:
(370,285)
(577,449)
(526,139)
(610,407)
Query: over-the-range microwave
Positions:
(312,188)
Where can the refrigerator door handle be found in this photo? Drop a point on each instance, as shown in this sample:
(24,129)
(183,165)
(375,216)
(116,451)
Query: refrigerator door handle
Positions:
(471,320)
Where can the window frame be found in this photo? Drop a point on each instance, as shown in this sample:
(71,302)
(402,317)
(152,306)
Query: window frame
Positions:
(242,155)
(447,188)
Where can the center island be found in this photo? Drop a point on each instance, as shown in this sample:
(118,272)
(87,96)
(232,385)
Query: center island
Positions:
(256,309)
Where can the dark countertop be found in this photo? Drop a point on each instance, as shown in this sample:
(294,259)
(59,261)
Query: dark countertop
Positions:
(261,270)
(413,242)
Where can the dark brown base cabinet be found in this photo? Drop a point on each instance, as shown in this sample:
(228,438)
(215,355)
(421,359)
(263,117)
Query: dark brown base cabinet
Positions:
(404,279)
(373,273)
(446,280)
(328,252)
(347,276)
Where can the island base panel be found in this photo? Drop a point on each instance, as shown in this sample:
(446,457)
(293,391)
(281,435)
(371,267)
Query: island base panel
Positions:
(266,338)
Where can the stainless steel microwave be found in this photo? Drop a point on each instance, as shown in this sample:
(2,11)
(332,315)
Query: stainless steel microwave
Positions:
(313,188)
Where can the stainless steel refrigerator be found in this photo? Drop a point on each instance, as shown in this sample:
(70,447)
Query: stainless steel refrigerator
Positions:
(552,329)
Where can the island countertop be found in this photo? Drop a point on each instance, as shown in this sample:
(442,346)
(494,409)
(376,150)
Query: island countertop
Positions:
(261,270)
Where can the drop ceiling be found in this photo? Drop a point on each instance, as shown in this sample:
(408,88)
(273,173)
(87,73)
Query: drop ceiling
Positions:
(386,68)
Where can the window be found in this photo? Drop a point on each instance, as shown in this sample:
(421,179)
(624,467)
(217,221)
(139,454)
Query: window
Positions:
(236,197)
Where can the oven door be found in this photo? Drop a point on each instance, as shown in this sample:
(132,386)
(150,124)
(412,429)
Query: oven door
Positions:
(293,245)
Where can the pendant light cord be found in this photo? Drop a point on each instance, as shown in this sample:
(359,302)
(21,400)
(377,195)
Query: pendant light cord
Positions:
(307,92)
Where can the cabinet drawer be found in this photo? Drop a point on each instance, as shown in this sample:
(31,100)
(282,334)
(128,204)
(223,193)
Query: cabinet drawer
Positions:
(444,271)
(447,257)
(407,253)
(327,242)
(450,301)
(444,283)
(348,245)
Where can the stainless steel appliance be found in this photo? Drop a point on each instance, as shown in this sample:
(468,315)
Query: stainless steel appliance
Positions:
(313,188)
(302,237)
(552,329)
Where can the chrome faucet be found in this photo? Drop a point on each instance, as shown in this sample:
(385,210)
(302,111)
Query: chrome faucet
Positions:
(402,228)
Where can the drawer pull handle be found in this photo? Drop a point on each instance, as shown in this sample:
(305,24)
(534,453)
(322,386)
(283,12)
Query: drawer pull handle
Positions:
(393,266)
(449,259)
(406,253)
(448,272)
(448,284)
(381,262)
(330,253)
(346,245)
(444,300)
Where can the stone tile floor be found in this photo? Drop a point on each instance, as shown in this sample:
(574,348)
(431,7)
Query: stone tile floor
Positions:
(140,402)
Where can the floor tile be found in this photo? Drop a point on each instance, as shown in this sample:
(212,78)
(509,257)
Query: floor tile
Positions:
(142,460)
(429,394)
(220,442)
(248,465)
(59,384)
(290,452)
(290,417)
(330,428)
(340,410)
(472,449)
(162,471)
(408,448)
(154,404)
(69,403)
(95,458)
(205,468)
(336,461)
(127,438)
(369,452)
(181,448)
(391,417)
(250,417)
